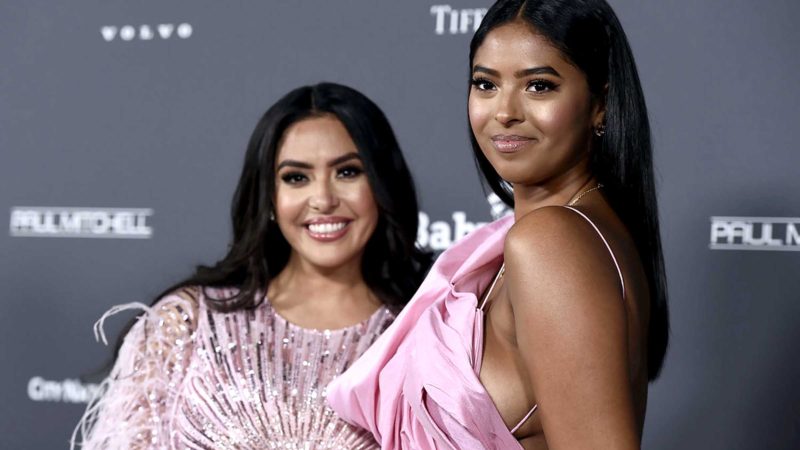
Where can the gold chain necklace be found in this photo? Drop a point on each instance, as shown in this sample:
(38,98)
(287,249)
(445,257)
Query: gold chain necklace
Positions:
(580,196)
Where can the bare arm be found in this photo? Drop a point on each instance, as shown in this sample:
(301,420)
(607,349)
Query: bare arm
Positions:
(571,329)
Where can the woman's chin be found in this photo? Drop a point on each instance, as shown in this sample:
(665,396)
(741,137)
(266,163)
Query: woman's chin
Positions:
(329,259)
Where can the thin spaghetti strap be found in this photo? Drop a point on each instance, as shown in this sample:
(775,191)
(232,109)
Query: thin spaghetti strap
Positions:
(491,288)
(613,257)
(621,281)
(524,419)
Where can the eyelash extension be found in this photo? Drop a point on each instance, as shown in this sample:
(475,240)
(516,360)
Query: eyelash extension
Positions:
(477,82)
(355,169)
(547,84)
(292,177)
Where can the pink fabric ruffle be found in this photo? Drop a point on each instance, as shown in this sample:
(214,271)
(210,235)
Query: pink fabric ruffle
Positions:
(417,387)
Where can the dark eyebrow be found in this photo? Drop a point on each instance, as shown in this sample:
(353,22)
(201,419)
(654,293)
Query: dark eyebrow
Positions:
(543,70)
(333,162)
(486,70)
(343,158)
(520,73)
(292,163)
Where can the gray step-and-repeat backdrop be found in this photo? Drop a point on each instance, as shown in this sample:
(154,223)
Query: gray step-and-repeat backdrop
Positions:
(123,125)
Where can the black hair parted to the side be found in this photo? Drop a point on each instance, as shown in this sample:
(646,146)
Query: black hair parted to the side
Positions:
(589,35)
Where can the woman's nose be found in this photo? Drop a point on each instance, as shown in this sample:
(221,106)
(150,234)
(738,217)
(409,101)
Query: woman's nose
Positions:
(323,198)
(508,111)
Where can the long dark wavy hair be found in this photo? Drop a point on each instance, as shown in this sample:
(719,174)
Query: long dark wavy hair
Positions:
(589,35)
(393,266)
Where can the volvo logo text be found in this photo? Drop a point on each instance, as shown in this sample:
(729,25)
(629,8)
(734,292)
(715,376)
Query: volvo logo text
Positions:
(161,31)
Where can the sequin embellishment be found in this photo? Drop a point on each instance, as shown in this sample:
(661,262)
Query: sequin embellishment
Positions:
(200,379)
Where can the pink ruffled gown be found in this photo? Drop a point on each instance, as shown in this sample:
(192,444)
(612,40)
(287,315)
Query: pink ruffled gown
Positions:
(417,387)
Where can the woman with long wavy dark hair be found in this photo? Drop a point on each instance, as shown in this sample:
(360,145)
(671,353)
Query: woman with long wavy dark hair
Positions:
(540,330)
(322,258)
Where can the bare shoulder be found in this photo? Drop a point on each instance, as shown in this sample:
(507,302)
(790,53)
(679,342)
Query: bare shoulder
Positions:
(554,231)
(571,325)
(553,220)
(555,251)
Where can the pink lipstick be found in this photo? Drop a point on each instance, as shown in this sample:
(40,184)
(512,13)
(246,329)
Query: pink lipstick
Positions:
(510,143)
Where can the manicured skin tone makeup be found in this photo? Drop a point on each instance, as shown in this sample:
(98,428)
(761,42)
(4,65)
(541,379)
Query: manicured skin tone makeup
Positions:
(323,203)
(532,115)
(326,211)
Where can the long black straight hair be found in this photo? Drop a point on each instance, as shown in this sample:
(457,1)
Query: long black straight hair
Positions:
(393,266)
(589,35)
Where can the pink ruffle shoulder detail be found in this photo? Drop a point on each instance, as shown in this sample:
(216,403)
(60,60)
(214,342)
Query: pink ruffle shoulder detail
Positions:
(417,387)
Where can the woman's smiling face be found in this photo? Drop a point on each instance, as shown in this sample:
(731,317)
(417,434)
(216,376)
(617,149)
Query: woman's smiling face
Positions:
(324,204)
(530,109)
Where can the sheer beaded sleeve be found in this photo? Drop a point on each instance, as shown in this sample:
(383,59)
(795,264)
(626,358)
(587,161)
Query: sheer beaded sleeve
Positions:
(135,403)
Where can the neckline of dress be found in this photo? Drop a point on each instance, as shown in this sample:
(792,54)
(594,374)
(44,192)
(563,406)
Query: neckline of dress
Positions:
(268,308)
(321,331)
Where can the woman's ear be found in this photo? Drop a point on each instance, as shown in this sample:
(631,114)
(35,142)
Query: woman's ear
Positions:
(599,111)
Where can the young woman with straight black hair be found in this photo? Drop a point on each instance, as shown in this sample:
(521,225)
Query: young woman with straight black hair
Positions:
(541,330)
(322,258)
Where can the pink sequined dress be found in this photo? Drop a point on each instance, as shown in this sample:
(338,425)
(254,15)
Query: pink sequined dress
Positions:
(188,377)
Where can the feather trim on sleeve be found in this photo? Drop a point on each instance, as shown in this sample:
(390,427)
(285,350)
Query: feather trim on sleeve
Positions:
(135,403)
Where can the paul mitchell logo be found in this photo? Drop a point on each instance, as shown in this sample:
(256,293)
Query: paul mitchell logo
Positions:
(755,233)
(38,221)
(161,31)
(457,21)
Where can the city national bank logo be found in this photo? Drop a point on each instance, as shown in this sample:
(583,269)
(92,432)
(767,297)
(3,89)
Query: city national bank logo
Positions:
(755,233)
(162,31)
(65,391)
(37,221)
(457,21)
